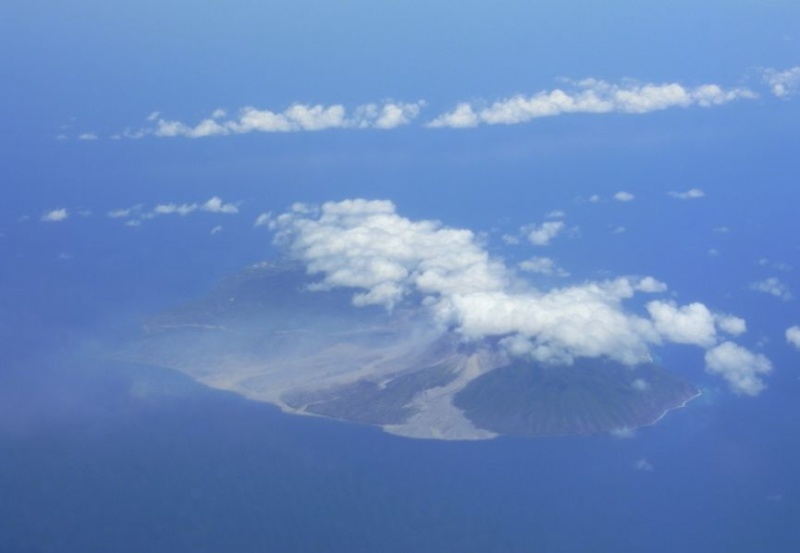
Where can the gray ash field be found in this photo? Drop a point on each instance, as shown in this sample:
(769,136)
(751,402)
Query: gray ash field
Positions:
(263,334)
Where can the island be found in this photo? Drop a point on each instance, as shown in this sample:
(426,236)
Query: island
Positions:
(268,334)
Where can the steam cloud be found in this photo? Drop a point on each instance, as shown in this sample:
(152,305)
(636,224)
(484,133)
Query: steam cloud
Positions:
(388,259)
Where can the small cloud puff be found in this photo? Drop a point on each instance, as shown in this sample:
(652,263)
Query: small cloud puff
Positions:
(777,265)
(55,216)
(462,117)
(783,83)
(651,285)
(169,209)
(691,194)
(773,287)
(541,235)
(215,205)
(123,213)
(542,266)
(693,323)
(730,324)
(740,367)
(643,464)
(687,324)
(623,432)
(793,336)
(623,196)
(263,220)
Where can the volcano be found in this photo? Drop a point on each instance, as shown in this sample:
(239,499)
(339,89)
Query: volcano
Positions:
(268,334)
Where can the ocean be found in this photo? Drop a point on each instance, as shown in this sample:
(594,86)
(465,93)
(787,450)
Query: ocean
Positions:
(98,455)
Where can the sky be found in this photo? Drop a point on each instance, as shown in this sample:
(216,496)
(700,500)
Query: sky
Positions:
(572,178)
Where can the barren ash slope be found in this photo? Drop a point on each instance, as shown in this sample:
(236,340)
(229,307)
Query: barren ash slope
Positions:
(265,334)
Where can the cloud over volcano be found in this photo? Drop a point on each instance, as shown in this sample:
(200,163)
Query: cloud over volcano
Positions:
(388,259)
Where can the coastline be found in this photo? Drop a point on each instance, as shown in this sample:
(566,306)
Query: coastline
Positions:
(681,406)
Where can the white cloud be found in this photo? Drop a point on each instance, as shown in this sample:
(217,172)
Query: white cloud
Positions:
(773,287)
(130,133)
(688,324)
(171,208)
(123,212)
(730,324)
(588,96)
(777,265)
(584,96)
(55,216)
(623,196)
(215,205)
(216,230)
(640,385)
(783,83)
(691,194)
(594,199)
(623,432)
(740,367)
(541,235)
(387,259)
(643,464)
(543,266)
(295,118)
(585,320)
(650,286)
(87,136)
(793,336)
(463,116)
(263,219)
(555,214)
(364,244)
(693,323)
(136,214)
(387,116)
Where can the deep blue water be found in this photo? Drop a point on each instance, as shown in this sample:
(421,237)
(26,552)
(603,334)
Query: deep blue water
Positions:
(99,456)
(88,467)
